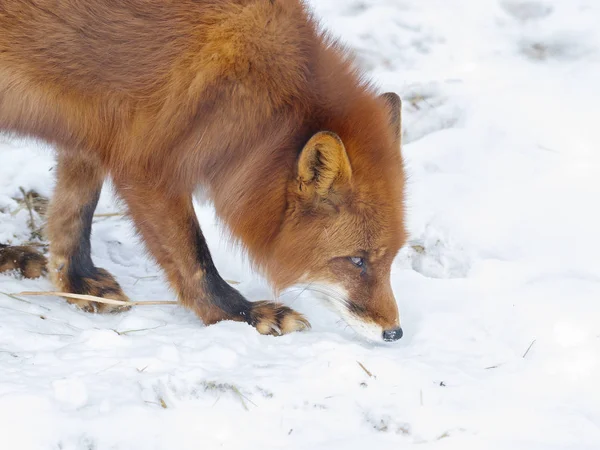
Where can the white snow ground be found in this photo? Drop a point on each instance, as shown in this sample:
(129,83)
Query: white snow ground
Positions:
(503,151)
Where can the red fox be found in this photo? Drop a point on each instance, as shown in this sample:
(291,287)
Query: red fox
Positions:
(247,100)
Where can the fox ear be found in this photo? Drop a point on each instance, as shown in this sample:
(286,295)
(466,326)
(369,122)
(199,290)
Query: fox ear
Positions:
(323,165)
(395,107)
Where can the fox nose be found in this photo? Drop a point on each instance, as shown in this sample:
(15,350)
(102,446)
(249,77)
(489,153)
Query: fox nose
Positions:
(392,335)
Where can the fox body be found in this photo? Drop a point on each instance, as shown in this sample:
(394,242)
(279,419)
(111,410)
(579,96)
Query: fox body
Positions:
(246,100)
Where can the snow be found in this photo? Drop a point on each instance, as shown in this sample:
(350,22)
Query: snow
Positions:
(498,288)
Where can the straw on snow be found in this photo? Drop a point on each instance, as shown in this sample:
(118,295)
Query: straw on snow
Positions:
(93,298)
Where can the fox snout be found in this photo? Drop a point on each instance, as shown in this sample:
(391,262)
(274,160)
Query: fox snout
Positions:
(392,335)
(378,320)
(375,317)
(376,313)
(372,330)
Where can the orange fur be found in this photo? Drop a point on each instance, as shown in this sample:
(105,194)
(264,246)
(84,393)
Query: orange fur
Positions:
(166,96)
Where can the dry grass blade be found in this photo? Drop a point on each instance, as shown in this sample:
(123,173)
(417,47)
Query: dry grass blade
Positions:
(35,244)
(149,277)
(13,354)
(242,397)
(50,334)
(34,203)
(365,369)
(23,300)
(529,348)
(93,298)
(116,214)
(27,201)
(126,332)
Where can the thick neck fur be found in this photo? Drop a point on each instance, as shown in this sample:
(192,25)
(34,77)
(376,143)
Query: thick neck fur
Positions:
(250,192)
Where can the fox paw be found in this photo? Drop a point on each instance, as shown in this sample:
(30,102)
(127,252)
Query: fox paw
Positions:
(26,260)
(102,284)
(275,319)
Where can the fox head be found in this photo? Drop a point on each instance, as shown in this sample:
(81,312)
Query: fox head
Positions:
(344,221)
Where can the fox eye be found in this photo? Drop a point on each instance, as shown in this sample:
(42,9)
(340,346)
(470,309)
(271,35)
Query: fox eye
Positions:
(357,261)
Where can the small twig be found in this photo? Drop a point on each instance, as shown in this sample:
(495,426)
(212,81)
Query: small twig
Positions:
(365,369)
(93,298)
(529,348)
